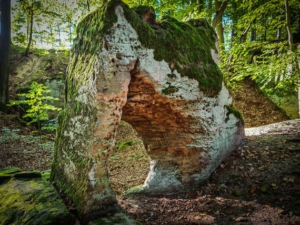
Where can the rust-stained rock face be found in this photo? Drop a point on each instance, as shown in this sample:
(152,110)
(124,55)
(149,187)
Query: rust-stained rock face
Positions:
(162,78)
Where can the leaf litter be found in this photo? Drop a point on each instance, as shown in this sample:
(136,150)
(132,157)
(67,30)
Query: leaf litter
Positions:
(258,184)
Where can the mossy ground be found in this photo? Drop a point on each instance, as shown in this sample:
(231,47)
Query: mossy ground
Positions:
(28,199)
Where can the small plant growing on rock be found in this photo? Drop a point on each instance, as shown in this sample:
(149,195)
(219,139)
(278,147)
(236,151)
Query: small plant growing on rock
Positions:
(36,99)
(124,145)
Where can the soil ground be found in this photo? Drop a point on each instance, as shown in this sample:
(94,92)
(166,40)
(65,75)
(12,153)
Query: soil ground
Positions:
(258,184)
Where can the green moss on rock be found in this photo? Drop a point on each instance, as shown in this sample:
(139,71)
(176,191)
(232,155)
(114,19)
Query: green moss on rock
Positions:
(74,190)
(13,172)
(170,90)
(31,201)
(136,190)
(46,175)
(234,111)
(9,170)
(186,46)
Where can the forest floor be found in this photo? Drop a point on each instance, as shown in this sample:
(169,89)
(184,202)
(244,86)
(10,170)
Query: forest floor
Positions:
(258,184)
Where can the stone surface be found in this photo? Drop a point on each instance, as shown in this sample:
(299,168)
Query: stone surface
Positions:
(162,78)
(27,199)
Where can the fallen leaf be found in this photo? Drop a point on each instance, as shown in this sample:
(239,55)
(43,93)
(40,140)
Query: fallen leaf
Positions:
(197,217)
(253,188)
(241,219)
(261,168)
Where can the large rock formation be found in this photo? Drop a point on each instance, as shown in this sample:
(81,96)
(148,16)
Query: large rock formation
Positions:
(161,77)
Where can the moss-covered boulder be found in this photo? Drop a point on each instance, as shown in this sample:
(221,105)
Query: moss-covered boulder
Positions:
(25,198)
(160,76)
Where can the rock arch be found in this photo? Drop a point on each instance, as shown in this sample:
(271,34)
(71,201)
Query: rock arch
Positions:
(162,78)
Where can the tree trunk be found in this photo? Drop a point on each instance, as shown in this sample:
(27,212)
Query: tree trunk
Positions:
(5,38)
(200,5)
(59,37)
(88,5)
(30,31)
(253,35)
(288,24)
(244,34)
(209,9)
(70,33)
(278,36)
(242,40)
(266,30)
(217,20)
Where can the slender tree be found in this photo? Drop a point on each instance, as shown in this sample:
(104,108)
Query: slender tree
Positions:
(288,24)
(31,13)
(220,7)
(5,37)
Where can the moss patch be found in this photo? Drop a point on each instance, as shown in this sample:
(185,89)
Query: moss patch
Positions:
(31,201)
(170,90)
(234,111)
(7,173)
(136,190)
(186,46)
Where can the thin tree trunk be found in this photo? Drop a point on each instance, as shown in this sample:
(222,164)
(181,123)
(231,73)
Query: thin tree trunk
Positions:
(242,39)
(51,36)
(58,30)
(232,35)
(217,20)
(291,44)
(200,5)
(288,24)
(70,33)
(266,31)
(88,5)
(253,35)
(244,34)
(278,35)
(209,8)
(30,31)
(5,38)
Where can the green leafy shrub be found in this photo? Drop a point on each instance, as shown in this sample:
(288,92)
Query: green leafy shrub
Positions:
(36,99)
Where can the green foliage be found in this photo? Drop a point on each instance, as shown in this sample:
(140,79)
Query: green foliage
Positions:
(32,141)
(123,145)
(36,99)
(8,134)
(50,125)
(271,65)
